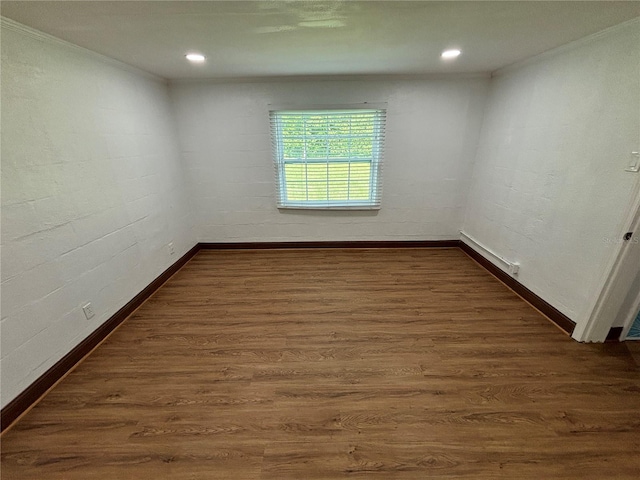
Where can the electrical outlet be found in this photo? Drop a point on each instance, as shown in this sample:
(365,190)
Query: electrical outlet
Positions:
(634,164)
(171,249)
(88,311)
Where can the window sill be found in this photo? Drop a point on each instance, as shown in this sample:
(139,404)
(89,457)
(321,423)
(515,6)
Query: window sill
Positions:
(328,207)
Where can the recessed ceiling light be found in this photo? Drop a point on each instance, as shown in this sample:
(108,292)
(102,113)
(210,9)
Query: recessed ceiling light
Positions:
(195,57)
(453,53)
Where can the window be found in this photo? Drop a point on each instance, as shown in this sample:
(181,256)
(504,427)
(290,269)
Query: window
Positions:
(328,158)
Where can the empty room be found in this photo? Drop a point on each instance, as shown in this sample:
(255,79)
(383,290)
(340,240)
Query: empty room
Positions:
(264,240)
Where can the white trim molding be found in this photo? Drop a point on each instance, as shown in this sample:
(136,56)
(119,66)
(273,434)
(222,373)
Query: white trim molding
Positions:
(566,47)
(45,37)
(599,320)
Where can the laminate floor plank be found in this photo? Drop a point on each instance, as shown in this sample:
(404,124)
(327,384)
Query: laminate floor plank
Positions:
(331,364)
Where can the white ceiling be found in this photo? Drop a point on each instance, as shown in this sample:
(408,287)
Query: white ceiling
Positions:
(283,38)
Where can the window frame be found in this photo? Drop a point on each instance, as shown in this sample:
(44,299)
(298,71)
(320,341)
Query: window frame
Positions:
(375,161)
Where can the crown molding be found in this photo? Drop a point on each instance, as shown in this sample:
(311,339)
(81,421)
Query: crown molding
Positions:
(566,47)
(7,23)
(330,78)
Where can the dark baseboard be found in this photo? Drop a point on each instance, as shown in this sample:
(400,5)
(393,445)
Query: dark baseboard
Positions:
(33,392)
(39,387)
(333,244)
(555,315)
(614,334)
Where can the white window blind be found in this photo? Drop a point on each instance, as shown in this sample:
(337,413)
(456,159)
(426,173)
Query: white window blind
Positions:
(328,158)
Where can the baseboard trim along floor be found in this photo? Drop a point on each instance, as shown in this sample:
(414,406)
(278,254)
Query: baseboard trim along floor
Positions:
(31,395)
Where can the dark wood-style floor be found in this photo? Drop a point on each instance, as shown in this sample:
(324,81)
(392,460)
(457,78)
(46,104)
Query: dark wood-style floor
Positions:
(331,364)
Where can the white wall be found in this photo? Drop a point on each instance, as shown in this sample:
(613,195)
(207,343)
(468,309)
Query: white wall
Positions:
(432,129)
(92,191)
(549,187)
